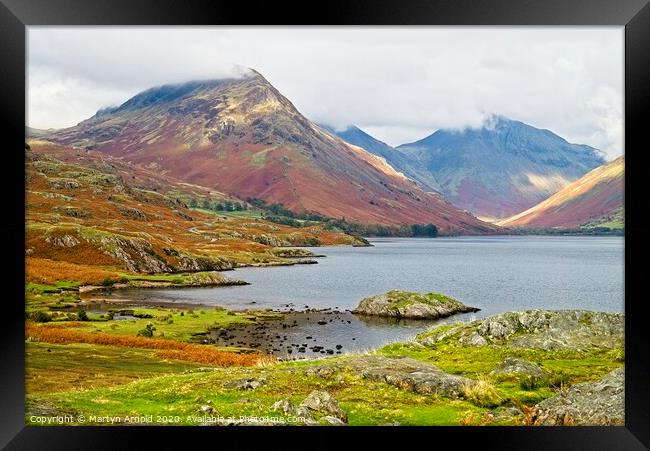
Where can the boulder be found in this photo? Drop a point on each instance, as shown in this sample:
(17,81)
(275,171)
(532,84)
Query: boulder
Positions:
(331,421)
(411,374)
(517,368)
(322,402)
(284,405)
(536,329)
(244,384)
(600,403)
(408,304)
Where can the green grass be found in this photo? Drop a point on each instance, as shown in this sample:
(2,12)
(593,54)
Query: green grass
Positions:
(365,402)
(76,366)
(476,362)
(178,324)
(38,288)
(249,214)
(171,278)
(405,298)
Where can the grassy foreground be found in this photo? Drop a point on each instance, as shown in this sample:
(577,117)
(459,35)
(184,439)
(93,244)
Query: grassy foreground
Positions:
(112,380)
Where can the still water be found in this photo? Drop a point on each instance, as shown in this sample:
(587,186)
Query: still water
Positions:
(495,274)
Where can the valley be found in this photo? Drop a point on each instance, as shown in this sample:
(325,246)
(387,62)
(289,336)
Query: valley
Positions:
(206,254)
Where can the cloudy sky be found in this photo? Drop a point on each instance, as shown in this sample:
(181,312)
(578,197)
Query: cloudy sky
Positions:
(399,84)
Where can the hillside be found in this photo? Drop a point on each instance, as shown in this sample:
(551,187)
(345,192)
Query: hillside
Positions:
(404,164)
(502,168)
(595,200)
(88,212)
(241,136)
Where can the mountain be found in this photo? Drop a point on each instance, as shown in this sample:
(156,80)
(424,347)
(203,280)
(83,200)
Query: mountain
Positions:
(595,199)
(502,168)
(31,132)
(404,164)
(243,137)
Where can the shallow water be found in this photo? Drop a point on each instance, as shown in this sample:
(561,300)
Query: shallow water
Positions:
(495,274)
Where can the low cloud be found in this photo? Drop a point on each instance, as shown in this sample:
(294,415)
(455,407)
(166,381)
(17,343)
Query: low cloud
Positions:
(399,84)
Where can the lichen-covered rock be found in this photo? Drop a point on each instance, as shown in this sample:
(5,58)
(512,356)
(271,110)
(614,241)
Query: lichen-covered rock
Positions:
(517,367)
(245,384)
(136,254)
(331,421)
(284,405)
(63,240)
(407,304)
(73,212)
(411,374)
(270,240)
(192,263)
(183,215)
(131,213)
(322,402)
(321,371)
(599,403)
(537,329)
(63,183)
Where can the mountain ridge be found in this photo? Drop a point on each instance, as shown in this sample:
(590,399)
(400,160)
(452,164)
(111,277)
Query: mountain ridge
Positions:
(502,167)
(597,195)
(242,136)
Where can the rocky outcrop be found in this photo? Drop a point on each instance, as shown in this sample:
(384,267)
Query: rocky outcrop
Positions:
(295,252)
(200,279)
(191,263)
(599,403)
(136,254)
(512,367)
(131,213)
(319,407)
(322,402)
(414,375)
(62,240)
(270,240)
(537,329)
(73,212)
(407,304)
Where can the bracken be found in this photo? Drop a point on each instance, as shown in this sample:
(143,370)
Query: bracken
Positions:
(168,348)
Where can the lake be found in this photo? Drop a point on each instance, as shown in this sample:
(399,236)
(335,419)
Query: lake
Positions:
(495,274)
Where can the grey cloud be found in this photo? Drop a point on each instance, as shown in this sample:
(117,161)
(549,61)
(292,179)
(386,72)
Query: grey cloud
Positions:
(397,83)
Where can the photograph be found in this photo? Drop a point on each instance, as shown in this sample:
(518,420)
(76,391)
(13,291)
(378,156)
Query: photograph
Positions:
(324,225)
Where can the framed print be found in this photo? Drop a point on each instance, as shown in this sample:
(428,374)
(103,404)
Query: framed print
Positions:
(409,215)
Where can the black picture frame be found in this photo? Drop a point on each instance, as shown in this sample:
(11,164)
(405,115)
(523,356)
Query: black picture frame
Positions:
(16,15)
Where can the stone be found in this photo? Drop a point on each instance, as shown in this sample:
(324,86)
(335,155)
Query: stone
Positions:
(331,421)
(537,329)
(410,374)
(518,367)
(206,408)
(505,413)
(321,371)
(322,402)
(284,405)
(244,384)
(600,403)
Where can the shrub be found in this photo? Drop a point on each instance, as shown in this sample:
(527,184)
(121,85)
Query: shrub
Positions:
(147,331)
(82,315)
(169,349)
(41,317)
(558,380)
(482,394)
(108,282)
(124,279)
